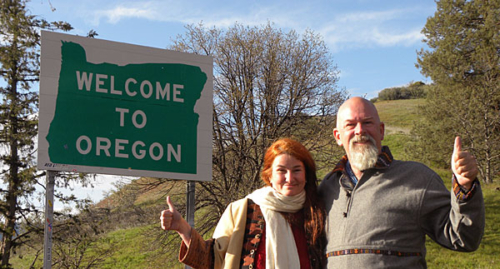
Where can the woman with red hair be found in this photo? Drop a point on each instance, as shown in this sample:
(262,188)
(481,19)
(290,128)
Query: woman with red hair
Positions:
(280,225)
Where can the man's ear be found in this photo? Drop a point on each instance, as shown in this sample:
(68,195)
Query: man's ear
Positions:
(336,134)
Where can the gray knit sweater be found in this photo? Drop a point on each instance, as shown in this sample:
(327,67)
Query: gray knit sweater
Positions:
(383,220)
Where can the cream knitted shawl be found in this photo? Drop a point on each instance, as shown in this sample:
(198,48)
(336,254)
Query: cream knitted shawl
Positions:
(281,251)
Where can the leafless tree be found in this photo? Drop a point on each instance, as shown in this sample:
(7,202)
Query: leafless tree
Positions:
(268,84)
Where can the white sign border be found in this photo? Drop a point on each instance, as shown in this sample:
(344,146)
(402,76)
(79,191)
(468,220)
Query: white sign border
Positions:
(99,51)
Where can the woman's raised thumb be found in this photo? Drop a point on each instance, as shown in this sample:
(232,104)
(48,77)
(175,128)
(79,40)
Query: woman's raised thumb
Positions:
(171,206)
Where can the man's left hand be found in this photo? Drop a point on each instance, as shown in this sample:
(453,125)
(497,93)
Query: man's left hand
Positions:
(463,165)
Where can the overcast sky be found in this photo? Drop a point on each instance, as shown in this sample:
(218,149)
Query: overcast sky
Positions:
(373,42)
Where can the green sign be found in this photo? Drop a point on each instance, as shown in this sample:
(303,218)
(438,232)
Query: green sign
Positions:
(130,117)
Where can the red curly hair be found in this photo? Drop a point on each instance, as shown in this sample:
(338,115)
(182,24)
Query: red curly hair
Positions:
(292,148)
(314,213)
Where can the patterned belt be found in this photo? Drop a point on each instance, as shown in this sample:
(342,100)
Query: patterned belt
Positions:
(372,251)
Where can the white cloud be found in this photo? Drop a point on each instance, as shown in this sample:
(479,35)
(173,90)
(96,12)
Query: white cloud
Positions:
(373,16)
(138,10)
(183,13)
(392,39)
(116,14)
(372,29)
(390,27)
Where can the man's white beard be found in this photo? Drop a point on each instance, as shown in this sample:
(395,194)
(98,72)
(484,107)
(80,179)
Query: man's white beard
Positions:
(362,157)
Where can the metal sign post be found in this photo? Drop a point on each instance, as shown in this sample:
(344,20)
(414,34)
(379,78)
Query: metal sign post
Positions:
(190,201)
(49,219)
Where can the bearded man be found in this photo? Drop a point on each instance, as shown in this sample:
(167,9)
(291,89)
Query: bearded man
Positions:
(380,209)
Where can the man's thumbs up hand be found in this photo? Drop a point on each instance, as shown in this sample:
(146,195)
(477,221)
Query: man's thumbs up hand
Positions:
(463,165)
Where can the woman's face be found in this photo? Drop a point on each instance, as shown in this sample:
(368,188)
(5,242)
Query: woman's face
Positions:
(288,175)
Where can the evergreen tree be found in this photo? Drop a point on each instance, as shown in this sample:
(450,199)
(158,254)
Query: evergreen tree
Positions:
(19,69)
(464,63)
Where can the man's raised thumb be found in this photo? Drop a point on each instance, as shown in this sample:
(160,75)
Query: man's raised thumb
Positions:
(458,145)
(171,206)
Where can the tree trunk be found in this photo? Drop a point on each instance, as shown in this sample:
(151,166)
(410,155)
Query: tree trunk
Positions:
(13,179)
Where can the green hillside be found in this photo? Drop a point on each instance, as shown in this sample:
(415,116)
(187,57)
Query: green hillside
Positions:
(398,117)
(131,236)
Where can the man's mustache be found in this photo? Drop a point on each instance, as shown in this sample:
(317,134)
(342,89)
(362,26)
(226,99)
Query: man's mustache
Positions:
(363,138)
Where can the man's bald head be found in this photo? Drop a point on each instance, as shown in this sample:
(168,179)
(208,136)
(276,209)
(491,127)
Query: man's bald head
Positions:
(356,103)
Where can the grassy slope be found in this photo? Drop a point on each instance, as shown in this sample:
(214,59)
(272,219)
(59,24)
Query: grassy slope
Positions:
(398,117)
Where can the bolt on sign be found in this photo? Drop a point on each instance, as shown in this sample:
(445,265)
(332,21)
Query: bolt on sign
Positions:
(115,108)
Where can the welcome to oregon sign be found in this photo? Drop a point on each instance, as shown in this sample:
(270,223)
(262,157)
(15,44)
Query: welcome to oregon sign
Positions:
(115,108)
